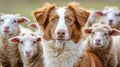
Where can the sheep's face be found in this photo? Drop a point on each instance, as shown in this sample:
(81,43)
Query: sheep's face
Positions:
(93,16)
(28,44)
(100,35)
(111,17)
(9,24)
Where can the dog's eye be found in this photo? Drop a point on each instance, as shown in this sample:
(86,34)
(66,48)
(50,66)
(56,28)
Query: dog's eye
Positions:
(54,20)
(69,20)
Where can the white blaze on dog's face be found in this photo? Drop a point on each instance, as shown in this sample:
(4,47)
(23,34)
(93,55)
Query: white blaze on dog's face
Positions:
(28,44)
(9,23)
(61,31)
(101,35)
(62,23)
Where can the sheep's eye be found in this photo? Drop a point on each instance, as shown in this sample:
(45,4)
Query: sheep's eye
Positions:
(93,32)
(105,34)
(1,20)
(14,21)
(34,42)
(105,14)
(116,15)
(21,42)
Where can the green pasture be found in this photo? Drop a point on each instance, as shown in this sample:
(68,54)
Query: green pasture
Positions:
(25,7)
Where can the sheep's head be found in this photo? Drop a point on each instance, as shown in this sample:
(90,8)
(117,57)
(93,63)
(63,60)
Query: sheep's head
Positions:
(93,16)
(110,16)
(28,44)
(100,35)
(9,23)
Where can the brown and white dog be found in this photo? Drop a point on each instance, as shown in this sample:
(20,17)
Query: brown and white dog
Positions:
(62,34)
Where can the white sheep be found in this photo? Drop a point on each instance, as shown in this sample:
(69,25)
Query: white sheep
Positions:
(93,18)
(9,25)
(111,17)
(30,49)
(36,27)
(100,42)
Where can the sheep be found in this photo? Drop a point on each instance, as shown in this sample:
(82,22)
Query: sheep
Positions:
(111,17)
(36,27)
(101,42)
(9,25)
(93,18)
(30,49)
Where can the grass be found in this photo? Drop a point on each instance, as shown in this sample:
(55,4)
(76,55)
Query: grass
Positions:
(25,7)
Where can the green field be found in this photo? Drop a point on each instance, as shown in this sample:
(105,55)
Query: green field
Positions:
(25,7)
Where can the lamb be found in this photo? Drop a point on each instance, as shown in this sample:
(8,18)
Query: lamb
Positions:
(30,49)
(100,42)
(9,25)
(111,17)
(36,27)
(93,18)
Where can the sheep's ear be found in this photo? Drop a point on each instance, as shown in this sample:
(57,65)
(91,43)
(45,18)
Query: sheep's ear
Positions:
(99,13)
(88,30)
(23,20)
(32,25)
(114,32)
(14,40)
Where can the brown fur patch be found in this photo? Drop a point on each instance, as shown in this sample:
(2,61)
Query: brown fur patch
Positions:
(48,19)
(89,60)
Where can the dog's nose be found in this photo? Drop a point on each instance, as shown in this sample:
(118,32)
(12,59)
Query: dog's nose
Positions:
(61,32)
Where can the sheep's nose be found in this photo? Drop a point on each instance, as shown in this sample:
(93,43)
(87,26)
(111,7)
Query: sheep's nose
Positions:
(110,21)
(61,32)
(97,40)
(6,27)
(28,52)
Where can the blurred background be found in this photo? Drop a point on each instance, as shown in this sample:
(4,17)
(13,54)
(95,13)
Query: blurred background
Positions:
(25,7)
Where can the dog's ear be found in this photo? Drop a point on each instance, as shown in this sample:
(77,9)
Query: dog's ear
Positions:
(80,13)
(42,14)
